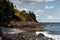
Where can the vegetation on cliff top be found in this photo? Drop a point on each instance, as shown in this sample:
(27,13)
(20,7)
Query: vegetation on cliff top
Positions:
(8,13)
(25,16)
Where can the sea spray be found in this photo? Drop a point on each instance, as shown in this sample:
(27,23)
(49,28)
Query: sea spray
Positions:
(55,37)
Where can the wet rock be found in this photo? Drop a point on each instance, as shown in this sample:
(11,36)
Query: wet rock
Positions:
(41,35)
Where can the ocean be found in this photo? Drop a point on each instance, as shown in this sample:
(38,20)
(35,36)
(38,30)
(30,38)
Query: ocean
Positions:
(52,31)
(54,27)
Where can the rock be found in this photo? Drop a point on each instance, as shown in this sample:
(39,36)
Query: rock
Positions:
(0,32)
(0,38)
(41,35)
(32,38)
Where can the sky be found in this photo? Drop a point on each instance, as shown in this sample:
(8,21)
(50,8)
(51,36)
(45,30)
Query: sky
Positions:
(45,10)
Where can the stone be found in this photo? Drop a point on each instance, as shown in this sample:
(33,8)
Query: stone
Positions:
(0,38)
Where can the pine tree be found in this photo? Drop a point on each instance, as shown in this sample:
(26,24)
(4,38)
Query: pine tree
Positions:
(6,12)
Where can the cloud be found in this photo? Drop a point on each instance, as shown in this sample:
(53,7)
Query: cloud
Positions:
(57,14)
(49,7)
(15,1)
(49,0)
(37,15)
(27,10)
(50,17)
(35,1)
(23,9)
(30,1)
(39,12)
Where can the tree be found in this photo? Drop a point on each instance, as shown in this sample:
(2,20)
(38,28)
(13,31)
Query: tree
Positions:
(32,15)
(6,12)
(25,16)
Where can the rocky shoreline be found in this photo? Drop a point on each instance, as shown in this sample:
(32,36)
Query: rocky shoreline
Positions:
(25,35)
(22,31)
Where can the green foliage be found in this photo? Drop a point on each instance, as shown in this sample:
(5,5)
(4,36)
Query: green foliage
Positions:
(32,16)
(8,13)
(26,16)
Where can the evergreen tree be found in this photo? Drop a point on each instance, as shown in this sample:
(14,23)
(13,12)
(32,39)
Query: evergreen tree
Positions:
(6,12)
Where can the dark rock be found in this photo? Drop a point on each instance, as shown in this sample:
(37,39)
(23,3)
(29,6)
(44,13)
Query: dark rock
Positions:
(0,32)
(6,38)
(41,35)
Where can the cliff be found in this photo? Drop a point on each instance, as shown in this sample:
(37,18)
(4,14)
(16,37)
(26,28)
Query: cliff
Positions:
(10,16)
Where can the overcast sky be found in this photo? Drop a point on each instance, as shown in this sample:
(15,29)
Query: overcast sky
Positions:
(45,10)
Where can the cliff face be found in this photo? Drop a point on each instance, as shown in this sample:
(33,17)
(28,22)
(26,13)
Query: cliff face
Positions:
(23,24)
(8,14)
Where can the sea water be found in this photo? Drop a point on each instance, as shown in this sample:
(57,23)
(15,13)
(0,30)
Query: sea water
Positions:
(52,31)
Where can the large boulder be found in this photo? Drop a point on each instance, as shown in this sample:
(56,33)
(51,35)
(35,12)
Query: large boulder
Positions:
(41,35)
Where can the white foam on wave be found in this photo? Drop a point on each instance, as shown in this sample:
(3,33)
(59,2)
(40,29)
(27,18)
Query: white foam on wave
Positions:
(56,37)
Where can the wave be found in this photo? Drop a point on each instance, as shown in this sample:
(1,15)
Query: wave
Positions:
(55,37)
